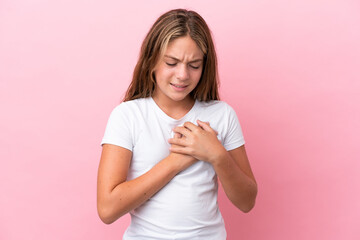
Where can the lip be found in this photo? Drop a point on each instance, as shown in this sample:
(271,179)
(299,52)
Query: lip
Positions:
(178,87)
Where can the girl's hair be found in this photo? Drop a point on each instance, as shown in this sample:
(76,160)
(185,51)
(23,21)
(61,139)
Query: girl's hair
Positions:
(169,26)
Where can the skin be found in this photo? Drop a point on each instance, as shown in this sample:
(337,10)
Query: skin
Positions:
(232,167)
(177,74)
(181,66)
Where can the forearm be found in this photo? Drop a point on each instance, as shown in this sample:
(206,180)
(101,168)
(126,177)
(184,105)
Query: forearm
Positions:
(128,195)
(231,167)
(240,188)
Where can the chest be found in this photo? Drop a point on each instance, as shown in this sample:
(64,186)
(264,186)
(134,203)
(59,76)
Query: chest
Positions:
(151,144)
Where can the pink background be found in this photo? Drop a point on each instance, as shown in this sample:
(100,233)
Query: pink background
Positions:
(290,69)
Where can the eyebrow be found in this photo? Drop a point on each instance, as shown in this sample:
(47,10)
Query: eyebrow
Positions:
(174,58)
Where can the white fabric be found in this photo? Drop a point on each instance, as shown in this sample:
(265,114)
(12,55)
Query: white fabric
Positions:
(186,208)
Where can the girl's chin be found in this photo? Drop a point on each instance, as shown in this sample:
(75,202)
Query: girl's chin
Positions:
(179,97)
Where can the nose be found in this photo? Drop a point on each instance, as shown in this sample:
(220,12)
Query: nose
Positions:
(182,72)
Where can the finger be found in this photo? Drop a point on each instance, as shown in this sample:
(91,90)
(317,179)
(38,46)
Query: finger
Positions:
(177,135)
(178,141)
(182,130)
(192,127)
(205,123)
(206,126)
(179,149)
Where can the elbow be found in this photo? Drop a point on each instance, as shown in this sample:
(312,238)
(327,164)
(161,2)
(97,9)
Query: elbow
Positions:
(250,203)
(248,207)
(108,211)
(106,220)
(105,215)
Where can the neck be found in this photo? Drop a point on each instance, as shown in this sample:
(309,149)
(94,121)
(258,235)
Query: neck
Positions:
(175,109)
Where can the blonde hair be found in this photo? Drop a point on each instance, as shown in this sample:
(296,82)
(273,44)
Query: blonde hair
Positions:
(169,26)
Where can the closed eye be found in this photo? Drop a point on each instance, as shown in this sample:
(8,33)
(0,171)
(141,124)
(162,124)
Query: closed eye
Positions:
(174,64)
(194,67)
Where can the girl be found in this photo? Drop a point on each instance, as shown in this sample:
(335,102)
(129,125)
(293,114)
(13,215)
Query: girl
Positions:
(171,138)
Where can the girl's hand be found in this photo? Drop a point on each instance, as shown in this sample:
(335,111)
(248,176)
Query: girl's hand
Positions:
(182,161)
(200,142)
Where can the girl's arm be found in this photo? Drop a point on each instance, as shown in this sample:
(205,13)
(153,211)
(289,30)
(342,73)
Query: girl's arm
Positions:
(116,196)
(236,177)
(232,168)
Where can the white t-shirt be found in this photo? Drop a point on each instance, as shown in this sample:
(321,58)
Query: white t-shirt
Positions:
(186,208)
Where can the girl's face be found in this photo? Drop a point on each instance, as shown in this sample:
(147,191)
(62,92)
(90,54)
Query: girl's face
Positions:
(179,71)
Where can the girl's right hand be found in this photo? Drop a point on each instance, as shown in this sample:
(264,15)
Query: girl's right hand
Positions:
(181,161)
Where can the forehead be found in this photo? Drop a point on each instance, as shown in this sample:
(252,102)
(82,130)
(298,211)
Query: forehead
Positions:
(183,47)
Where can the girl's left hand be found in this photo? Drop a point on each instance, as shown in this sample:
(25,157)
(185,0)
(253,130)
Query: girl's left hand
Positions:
(200,142)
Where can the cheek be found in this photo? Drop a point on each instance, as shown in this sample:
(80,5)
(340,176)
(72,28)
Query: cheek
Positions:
(162,73)
(197,76)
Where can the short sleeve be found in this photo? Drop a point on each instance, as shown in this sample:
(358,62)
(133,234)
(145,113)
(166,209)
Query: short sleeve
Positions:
(234,137)
(118,128)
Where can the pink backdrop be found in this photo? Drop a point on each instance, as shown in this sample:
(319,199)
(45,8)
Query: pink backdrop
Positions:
(291,70)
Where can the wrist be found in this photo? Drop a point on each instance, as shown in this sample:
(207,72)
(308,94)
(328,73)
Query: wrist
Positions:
(179,162)
(173,161)
(218,157)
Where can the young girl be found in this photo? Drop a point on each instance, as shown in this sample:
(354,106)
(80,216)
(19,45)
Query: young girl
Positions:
(171,138)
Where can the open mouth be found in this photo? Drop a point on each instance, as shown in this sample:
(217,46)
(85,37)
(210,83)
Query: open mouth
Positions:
(178,87)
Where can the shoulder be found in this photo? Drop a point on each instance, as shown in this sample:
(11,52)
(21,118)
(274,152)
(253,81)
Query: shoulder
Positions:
(215,105)
(131,107)
(128,116)
(133,103)
(217,110)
